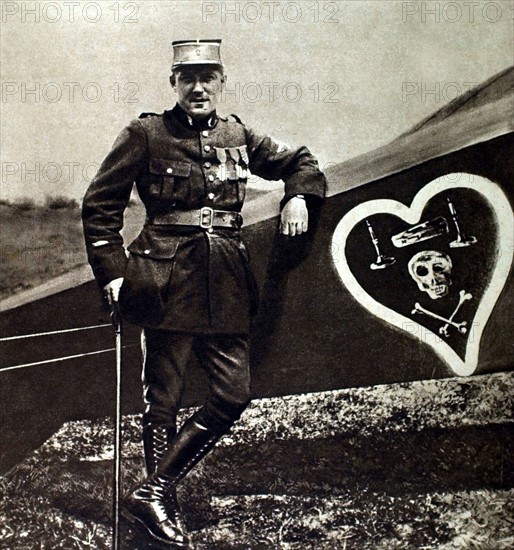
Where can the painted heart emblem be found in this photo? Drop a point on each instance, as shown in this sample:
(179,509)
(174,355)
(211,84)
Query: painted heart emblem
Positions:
(434,269)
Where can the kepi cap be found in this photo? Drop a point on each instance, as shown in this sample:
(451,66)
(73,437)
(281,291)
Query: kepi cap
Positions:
(196,52)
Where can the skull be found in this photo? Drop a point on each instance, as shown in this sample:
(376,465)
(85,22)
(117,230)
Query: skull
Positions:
(432,271)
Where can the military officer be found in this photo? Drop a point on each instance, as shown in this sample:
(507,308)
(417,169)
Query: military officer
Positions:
(187,280)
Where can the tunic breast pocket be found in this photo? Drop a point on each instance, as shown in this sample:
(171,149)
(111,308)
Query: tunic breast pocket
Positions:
(170,180)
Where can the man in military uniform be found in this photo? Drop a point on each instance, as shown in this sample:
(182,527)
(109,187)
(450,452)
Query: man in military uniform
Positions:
(187,279)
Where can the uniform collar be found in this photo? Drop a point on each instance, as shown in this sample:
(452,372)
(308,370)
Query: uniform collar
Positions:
(206,123)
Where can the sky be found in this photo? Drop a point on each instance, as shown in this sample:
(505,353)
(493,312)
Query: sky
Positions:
(342,77)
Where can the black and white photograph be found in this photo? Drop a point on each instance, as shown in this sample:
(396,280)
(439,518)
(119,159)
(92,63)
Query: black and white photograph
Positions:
(257,275)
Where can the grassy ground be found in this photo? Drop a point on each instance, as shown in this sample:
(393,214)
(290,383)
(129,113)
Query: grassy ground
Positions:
(424,465)
(37,243)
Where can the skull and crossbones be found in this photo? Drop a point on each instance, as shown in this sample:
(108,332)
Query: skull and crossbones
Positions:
(460,326)
(431,270)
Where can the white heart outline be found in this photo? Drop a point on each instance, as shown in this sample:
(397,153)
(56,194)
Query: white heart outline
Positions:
(412,215)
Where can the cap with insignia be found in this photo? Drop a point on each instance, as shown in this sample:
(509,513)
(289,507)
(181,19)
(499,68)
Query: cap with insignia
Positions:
(196,52)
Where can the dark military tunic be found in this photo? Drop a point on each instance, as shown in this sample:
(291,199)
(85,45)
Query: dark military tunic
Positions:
(185,278)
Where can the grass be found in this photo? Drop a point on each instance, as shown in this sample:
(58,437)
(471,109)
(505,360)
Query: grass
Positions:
(281,480)
(38,243)
(60,202)
(354,520)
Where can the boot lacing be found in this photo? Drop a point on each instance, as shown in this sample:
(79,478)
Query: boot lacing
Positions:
(160,439)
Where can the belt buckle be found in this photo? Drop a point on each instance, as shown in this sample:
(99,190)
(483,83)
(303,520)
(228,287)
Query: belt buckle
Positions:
(208,212)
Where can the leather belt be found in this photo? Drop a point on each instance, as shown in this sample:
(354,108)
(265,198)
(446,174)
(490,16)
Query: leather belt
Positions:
(205,217)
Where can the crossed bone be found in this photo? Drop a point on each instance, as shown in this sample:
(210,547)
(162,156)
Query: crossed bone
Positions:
(461,327)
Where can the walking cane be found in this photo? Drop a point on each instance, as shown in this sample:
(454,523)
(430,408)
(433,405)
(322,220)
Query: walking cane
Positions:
(116,490)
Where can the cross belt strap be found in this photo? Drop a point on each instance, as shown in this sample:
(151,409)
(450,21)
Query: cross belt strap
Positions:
(205,217)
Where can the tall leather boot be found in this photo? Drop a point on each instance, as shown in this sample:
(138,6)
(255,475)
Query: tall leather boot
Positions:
(189,446)
(146,503)
(157,439)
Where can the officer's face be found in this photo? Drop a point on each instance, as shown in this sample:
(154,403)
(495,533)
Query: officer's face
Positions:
(198,88)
